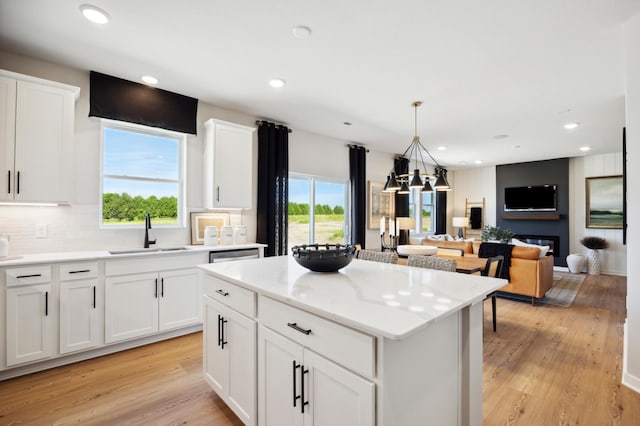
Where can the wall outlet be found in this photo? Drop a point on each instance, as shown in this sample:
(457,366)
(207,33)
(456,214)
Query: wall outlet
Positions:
(42,230)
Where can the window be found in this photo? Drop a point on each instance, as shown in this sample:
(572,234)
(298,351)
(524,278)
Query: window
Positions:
(423,203)
(317,210)
(142,172)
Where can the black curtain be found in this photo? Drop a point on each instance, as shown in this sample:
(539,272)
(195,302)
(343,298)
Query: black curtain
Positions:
(401,167)
(441,209)
(273,190)
(123,100)
(358,180)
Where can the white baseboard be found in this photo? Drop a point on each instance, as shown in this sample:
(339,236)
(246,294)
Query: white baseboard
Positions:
(628,379)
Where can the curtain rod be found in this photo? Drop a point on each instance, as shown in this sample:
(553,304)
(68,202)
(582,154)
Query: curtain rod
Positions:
(259,122)
(353,145)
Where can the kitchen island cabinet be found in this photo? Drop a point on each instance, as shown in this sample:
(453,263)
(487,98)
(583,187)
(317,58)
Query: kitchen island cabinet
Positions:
(374,344)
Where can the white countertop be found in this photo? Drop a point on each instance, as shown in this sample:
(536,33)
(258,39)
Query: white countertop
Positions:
(106,255)
(382,299)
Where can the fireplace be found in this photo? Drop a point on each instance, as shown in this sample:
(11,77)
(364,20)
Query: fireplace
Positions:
(553,241)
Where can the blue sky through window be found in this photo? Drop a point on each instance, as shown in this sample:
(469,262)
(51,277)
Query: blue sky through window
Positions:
(329,193)
(139,155)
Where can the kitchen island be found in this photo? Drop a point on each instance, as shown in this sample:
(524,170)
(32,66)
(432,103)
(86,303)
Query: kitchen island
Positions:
(373,344)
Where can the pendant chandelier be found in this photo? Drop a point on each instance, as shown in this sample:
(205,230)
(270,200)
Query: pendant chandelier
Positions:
(420,178)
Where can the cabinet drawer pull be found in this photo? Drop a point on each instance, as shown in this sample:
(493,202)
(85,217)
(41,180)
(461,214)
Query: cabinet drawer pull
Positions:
(222,292)
(29,276)
(295,397)
(9,182)
(80,272)
(295,326)
(302,373)
(46,303)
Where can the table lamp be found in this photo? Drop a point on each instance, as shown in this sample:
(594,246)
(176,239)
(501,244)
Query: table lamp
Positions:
(460,222)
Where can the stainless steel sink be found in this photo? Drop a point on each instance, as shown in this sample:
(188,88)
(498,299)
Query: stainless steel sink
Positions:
(146,250)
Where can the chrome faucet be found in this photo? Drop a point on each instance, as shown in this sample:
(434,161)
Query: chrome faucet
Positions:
(147,226)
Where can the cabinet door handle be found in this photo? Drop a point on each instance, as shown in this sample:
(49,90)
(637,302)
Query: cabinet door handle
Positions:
(80,272)
(222,292)
(18,183)
(162,287)
(94,297)
(218,193)
(156,293)
(295,397)
(9,182)
(223,341)
(295,326)
(46,303)
(219,326)
(29,276)
(302,373)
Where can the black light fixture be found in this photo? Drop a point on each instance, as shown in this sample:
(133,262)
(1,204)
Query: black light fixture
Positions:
(419,178)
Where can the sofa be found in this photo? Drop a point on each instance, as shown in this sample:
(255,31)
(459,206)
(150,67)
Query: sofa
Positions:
(529,274)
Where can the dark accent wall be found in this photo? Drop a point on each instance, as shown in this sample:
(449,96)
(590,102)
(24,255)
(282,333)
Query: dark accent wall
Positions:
(549,172)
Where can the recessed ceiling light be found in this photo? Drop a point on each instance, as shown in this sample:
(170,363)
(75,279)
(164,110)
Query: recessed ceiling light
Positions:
(276,82)
(585,148)
(442,148)
(148,79)
(94,14)
(478,161)
(570,126)
(301,31)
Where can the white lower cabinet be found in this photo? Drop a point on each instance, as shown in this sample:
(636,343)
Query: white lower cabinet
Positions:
(299,387)
(142,304)
(229,362)
(29,323)
(81,296)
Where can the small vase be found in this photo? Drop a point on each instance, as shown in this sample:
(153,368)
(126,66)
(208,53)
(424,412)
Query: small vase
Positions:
(593,262)
(575,262)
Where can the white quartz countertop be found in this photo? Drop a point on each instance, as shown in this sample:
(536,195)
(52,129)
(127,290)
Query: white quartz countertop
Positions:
(382,299)
(117,253)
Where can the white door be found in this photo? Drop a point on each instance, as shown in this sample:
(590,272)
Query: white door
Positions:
(131,306)
(180,299)
(337,397)
(230,358)
(279,392)
(44,140)
(239,333)
(29,316)
(79,315)
(215,359)
(7,136)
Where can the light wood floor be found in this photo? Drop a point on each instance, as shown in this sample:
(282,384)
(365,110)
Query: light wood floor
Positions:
(544,366)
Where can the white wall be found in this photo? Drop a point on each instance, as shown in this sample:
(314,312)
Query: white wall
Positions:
(631,363)
(474,185)
(614,259)
(75,227)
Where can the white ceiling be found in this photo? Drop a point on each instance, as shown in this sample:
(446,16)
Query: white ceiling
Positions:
(482,68)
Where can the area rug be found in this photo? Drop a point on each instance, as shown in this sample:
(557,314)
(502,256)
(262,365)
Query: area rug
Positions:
(564,290)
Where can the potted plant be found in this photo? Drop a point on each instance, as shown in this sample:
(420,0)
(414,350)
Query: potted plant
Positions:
(490,233)
(593,256)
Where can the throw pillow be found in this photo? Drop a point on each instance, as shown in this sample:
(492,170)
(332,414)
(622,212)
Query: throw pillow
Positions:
(543,249)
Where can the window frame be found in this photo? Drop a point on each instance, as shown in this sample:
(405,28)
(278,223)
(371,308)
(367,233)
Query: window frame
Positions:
(312,201)
(152,131)
(416,205)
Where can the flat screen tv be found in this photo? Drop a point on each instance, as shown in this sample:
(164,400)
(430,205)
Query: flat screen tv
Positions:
(530,198)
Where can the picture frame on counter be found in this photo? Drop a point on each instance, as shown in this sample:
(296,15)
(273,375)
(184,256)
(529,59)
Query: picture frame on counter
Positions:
(200,220)
(380,204)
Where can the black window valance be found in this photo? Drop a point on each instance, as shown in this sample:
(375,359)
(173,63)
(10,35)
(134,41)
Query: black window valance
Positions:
(117,99)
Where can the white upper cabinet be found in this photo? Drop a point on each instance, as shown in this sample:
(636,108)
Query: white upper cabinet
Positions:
(228,165)
(37,122)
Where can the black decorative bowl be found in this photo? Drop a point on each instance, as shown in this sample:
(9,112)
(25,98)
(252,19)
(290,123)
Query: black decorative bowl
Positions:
(323,257)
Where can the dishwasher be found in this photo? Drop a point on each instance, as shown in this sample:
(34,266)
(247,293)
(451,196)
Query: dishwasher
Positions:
(233,254)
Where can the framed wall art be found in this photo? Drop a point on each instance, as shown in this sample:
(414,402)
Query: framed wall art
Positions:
(604,197)
(380,204)
(200,220)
